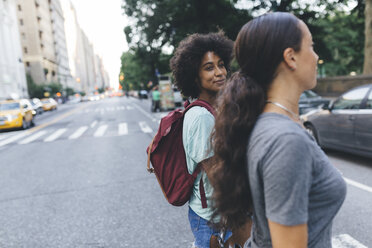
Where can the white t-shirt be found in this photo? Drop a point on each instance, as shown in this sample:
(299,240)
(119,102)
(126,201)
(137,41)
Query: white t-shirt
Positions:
(198,124)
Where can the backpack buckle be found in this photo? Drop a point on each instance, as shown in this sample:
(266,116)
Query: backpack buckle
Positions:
(150,170)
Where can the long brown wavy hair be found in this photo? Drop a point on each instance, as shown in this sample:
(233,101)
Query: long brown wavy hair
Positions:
(258,50)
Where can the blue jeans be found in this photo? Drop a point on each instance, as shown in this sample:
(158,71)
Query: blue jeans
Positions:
(202,231)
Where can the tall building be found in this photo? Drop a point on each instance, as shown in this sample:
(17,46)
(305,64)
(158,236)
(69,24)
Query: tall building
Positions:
(60,47)
(35,26)
(75,47)
(85,66)
(12,72)
(99,73)
(90,83)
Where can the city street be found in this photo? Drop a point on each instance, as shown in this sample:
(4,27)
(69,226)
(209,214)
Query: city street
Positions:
(78,179)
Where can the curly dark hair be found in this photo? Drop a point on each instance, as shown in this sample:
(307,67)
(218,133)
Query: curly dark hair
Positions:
(259,51)
(186,60)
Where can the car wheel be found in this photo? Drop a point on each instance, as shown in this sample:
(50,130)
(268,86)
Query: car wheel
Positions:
(311,130)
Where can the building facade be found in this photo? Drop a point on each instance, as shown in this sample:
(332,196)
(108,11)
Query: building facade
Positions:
(35,27)
(60,47)
(12,72)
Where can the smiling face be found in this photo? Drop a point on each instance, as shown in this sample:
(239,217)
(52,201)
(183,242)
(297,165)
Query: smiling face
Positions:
(212,74)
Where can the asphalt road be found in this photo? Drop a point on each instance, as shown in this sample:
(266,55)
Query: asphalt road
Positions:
(79,179)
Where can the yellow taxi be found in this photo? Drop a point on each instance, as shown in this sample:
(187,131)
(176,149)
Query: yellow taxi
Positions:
(49,104)
(16,114)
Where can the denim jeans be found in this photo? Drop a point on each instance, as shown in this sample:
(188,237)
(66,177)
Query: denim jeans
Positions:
(202,231)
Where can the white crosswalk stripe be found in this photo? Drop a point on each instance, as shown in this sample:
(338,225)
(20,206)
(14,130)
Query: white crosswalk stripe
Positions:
(144,127)
(100,131)
(13,138)
(129,107)
(123,128)
(65,133)
(78,132)
(55,135)
(32,137)
(4,136)
(93,124)
(346,241)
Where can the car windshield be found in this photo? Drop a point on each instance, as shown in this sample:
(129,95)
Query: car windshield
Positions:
(45,101)
(9,106)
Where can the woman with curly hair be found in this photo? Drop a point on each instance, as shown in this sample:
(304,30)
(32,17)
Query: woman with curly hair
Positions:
(267,164)
(199,67)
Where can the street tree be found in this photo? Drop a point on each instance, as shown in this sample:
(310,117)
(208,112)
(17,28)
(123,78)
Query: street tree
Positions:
(367,68)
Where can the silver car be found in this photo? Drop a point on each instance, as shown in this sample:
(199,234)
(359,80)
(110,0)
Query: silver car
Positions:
(346,124)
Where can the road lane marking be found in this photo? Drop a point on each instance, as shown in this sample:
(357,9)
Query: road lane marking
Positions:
(55,135)
(123,128)
(5,136)
(93,124)
(346,241)
(129,107)
(100,131)
(78,132)
(144,127)
(13,138)
(61,117)
(358,185)
(32,138)
(145,113)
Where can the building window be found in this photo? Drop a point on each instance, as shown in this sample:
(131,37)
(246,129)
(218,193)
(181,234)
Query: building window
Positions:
(23,36)
(25,50)
(28,64)
(19,7)
(21,22)
(40,34)
(36,4)
(53,73)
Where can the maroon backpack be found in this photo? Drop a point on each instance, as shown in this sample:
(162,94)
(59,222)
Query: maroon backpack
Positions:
(168,158)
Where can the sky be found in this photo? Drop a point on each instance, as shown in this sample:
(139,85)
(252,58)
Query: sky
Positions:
(103,23)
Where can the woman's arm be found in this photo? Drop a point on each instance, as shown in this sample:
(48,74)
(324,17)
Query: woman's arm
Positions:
(288,236)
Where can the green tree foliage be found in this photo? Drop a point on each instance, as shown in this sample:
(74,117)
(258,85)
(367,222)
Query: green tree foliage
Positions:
(36,90)
(343,44)
(159,24)
(167,22)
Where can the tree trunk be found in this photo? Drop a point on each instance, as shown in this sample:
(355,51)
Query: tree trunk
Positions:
(367,68)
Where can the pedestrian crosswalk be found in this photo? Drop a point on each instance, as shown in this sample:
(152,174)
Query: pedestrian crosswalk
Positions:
(95,130)
(103,110)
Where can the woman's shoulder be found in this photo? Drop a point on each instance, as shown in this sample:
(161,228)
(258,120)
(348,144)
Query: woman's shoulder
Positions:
(275,128)
(198,113)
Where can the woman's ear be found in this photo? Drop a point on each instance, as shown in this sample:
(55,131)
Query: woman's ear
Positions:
(289,57)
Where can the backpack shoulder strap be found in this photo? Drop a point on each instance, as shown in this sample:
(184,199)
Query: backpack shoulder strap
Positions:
(200,103)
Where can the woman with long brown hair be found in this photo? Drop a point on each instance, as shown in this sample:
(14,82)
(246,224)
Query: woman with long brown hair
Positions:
(268,165)
(199,67)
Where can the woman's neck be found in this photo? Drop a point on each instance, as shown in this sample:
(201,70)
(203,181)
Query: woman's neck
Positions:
(209,98)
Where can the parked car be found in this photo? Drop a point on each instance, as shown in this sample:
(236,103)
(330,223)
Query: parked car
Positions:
(346,124)
(37,106)
(309,100)
(16,114)
(49,104)
(143,94)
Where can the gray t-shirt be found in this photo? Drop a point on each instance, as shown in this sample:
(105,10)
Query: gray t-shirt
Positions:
(292,181)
